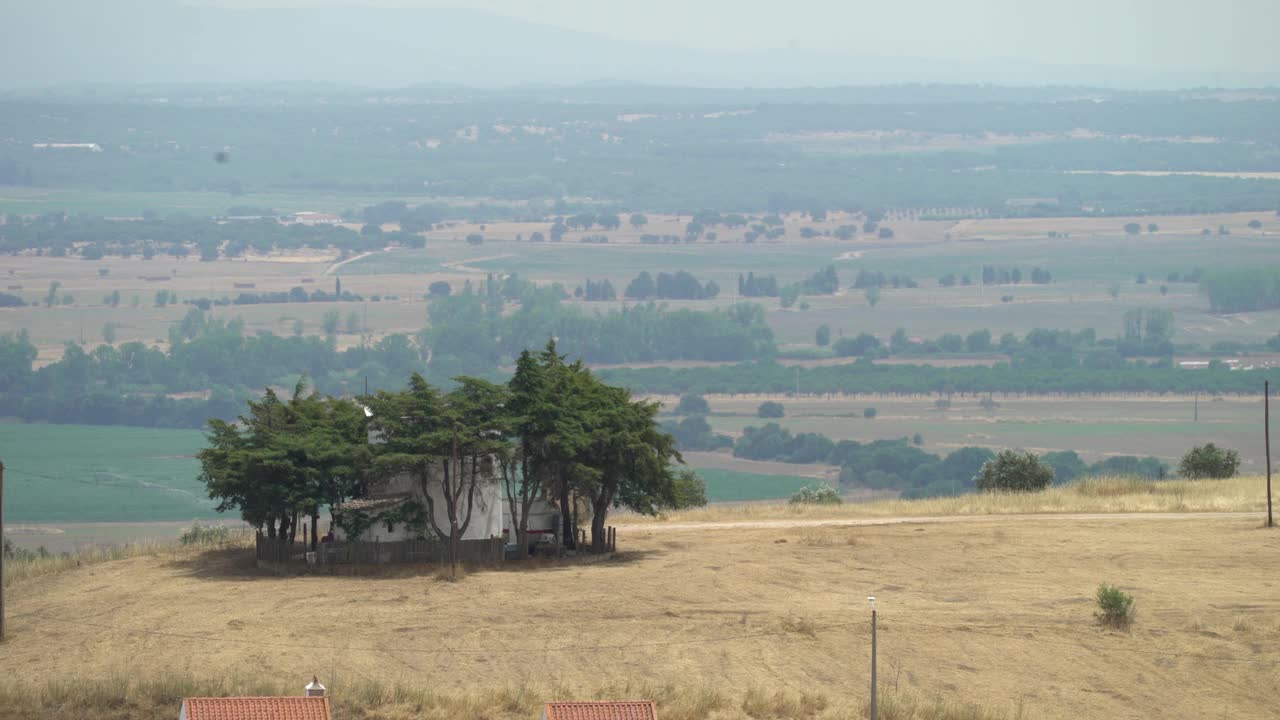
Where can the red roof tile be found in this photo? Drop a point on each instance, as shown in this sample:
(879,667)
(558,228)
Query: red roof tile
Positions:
(257,708)
(614,710)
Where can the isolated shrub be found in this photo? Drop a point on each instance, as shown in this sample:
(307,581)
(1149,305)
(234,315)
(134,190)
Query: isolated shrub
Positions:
(770,409)
(1115,607)
(822,335)
(691,490)
(200,534)
(693,405)
(1014,472)
(869,413)
(816,495)
(1209,461)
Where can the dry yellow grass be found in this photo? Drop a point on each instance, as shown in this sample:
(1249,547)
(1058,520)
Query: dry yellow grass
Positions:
(1092,496)
(130,698)
(979,618)
(28,566)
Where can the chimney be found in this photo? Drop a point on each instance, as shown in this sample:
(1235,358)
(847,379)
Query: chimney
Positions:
(315,689)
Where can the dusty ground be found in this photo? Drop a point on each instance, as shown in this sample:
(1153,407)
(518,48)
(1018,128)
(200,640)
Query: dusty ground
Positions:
(996,612)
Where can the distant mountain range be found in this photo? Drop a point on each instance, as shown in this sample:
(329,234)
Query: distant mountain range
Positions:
(81,42)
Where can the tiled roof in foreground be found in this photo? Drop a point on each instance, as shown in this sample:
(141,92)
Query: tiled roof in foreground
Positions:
(257,708)
(612,710)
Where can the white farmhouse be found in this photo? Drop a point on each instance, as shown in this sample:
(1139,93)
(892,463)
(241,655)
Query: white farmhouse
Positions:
(394,504)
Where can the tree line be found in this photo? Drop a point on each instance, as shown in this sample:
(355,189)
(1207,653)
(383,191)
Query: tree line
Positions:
(470,331)
(1243,289)
(180,236)
(680,285)
(900,465)
(1066,376)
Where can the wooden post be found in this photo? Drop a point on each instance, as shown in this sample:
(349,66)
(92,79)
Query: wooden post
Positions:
(1,551)
(1266,430)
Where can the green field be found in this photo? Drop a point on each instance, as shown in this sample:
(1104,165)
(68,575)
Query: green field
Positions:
(731,485)
(81,473)
(91,474)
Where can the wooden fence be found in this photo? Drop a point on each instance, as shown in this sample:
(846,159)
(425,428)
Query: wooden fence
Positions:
(277,551)
(481,552)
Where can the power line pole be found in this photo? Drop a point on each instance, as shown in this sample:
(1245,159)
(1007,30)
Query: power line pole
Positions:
(872,600)
(1266,430)
(1,551)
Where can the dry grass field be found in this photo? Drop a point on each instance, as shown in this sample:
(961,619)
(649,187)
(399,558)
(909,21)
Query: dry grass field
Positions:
(979,617)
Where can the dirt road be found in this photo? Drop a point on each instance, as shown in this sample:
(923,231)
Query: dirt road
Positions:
(847,522)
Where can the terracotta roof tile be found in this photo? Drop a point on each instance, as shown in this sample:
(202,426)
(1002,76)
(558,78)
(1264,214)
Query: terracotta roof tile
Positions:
(614,710)
(257,708)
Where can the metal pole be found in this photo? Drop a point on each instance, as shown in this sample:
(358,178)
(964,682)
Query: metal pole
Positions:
(1,551)
(873,661)
(1266,430)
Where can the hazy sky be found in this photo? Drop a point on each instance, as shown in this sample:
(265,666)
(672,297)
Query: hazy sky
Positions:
(1141,34)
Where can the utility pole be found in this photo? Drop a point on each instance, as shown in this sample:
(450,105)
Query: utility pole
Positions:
(797,381)
(1196,416)
(1266,430)
(1,551)
(872,600)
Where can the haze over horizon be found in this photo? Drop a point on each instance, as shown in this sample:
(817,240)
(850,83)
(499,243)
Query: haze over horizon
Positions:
(713,43)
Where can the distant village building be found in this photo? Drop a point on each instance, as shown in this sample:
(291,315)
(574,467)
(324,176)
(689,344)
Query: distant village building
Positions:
(316,218)
(607,710)
(91,147)
(313,706)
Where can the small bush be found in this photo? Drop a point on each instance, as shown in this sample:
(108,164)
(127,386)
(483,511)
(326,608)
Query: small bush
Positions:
(691,490)
(816,495)
(1014,472)
(1115,607)
(199,534)
(770,410)
(1209,461)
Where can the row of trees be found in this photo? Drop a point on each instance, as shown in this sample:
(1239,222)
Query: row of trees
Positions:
(553,430)
(1242,290)
(680,285)
(1012,471)
(469,332)
(179,236)
(757,286)
(992,275)
(1066,375)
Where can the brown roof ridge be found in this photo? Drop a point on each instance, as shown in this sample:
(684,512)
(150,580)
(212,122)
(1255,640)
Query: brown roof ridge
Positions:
(291,707)
(601,710)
